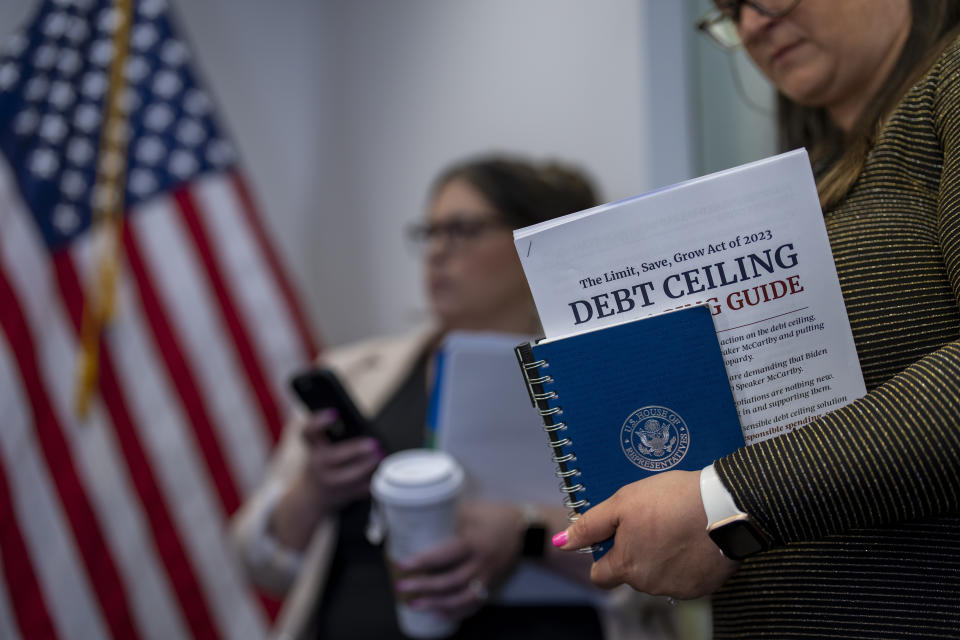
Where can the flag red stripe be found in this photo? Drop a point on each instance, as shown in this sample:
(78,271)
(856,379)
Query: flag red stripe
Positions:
(229,314)
(163,531)
(249,212)
(270,604)
(181,375)
(29,608)
(100,566)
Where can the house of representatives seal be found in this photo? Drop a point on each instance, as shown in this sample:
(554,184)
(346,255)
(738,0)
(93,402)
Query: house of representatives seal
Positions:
(654,438)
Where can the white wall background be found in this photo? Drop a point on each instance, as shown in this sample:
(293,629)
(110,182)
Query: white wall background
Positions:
(343,111)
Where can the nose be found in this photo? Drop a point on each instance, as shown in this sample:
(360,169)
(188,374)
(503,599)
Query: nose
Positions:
(438,248)
(752,24)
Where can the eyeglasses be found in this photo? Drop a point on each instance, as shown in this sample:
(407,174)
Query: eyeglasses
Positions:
(457,232)
(721,23)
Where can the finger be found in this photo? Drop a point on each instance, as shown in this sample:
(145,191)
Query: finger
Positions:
(447,554)
(316,424)
(595,525)
(603,574)
(438,586)
(348,452)
(357,472)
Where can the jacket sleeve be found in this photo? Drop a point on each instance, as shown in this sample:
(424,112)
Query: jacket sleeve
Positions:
(893,455)
(267,563)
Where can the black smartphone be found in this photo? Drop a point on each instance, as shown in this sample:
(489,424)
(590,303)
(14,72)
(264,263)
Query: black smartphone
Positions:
(319,388)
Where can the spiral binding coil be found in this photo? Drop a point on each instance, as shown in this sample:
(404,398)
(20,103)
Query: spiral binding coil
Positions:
(554,427)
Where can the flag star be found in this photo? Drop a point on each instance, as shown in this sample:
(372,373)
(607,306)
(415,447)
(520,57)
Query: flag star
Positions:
(73,184)
(182,163)
(80,151)
(196,102)
(37,88)
(152,8)
(220,152)
(150,150)
(190,133)
(69,62)
(144,36)
(56,24)
(167,84)
(158,116)
(94,85)
(43,162)
(101,52)
(109,19)
(45,57)
(87,117)
(174,53)
(66,219)
(53,129)
(9,76)
(62,95)
(137,68)
(16,44)
(78,31)
(26,122)
(142,182)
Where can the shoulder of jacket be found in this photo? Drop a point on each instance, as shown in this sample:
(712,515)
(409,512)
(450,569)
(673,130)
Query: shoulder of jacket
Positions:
(371,351)
(373,369)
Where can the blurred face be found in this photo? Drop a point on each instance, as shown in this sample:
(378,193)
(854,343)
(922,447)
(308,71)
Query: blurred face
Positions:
(828,53)
(474,277)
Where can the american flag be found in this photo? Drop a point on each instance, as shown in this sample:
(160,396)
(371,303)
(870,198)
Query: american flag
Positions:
(113,524)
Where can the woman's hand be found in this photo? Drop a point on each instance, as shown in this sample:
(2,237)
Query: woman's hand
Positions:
(337,473)
(453,579)
(660,542)
(334,475)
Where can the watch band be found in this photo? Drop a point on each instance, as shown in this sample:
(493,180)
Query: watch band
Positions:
(717,501)
(733,531)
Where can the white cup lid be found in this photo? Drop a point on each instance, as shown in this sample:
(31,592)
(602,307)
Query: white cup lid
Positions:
(417,477)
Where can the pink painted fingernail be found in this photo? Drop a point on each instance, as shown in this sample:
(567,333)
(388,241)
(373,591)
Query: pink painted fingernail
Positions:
(560,539)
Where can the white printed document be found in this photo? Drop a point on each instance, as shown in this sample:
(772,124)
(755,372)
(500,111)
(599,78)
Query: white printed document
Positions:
(483,418)
(751,243)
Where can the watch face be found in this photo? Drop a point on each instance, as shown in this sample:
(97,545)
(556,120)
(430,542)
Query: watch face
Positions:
(534,541)
(738,538)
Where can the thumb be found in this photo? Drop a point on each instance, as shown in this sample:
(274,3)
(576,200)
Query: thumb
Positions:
(595,525)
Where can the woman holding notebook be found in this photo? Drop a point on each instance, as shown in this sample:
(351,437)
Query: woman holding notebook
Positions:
(850,525)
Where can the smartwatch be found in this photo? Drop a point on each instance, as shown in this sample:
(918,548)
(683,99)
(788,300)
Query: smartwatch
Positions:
(534,533)
(736,534)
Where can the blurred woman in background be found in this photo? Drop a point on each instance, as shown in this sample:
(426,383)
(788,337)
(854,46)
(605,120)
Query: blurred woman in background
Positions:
(302,534)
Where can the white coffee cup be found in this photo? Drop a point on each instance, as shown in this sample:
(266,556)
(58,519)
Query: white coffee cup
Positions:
(416,493)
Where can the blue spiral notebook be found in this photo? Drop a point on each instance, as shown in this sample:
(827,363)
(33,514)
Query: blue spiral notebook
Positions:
(626,401)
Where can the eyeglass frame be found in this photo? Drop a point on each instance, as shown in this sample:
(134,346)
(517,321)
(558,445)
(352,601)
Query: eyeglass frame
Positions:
(708,23)
(457,232)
